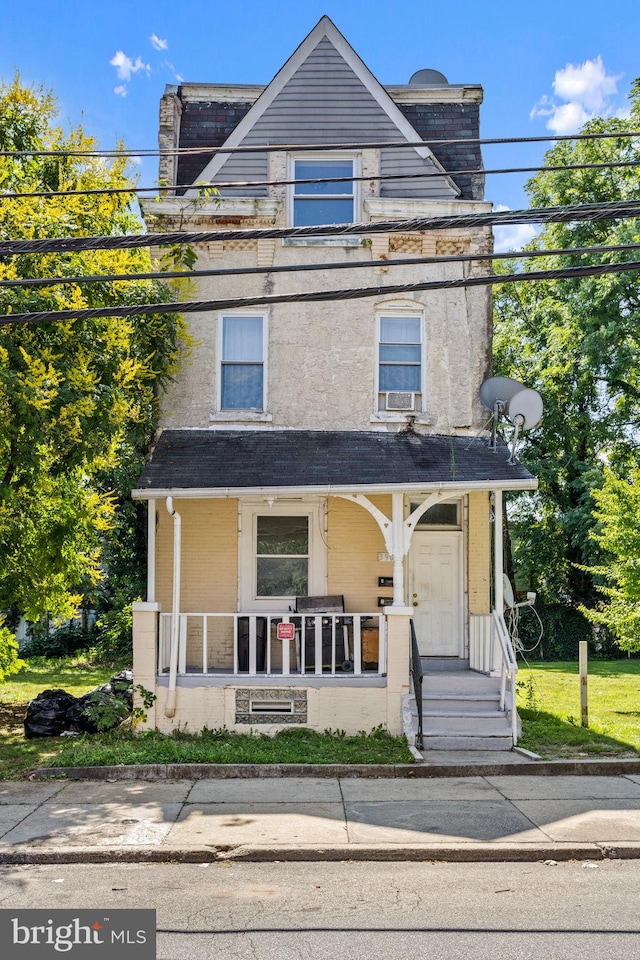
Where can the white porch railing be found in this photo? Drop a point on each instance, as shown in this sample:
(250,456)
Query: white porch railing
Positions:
(247,644)
(509,669)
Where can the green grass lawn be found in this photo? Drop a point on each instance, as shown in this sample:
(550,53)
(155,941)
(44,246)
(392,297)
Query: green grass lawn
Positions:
(19,756)
(548,701)
(549,705)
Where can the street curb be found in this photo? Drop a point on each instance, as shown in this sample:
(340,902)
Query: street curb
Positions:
(451,853)
(224,771)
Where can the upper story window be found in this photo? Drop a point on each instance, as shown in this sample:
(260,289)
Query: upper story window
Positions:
(242,363)
(323,202)
(400,363)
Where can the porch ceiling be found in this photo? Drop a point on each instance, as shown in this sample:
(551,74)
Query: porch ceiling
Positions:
(231,462)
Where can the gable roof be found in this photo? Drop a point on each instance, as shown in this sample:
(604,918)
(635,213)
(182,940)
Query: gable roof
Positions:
(229,462)
(325,93)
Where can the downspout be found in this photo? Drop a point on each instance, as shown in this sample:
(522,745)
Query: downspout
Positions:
(170,708)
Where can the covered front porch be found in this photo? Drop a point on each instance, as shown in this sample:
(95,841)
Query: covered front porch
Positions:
(282,562)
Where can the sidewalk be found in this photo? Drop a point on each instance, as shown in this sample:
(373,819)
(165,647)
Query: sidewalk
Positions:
(487,816)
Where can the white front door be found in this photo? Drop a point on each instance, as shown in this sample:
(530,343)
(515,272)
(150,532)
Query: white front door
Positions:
(435,592)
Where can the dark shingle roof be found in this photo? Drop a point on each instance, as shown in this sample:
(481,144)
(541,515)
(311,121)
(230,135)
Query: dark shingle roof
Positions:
(205,125)
(209,124)
(442,121)
(213,459)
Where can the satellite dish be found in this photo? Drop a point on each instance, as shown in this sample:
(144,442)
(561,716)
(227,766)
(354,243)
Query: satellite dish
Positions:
(499,390)
(525,409)
(521,405)
(507,592)
(428,78)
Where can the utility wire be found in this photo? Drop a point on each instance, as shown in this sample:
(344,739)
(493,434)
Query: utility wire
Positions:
(318,148)
(565,214)
(297,268)
(201,306)
(202,188)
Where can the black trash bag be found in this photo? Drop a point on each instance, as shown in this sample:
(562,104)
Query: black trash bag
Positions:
(122,686)
(54,712)
(100,709)
(46,715)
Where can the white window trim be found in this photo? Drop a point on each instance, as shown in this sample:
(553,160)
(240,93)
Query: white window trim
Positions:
(248,511)
(241,413)
(401,312)
(357,190)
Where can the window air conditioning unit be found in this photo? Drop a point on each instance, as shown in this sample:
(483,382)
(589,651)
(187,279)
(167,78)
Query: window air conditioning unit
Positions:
(399,400)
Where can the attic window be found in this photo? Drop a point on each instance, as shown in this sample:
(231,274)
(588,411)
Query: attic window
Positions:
(324,202)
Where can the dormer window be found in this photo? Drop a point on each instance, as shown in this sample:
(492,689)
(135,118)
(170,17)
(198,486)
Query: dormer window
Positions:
(324,202)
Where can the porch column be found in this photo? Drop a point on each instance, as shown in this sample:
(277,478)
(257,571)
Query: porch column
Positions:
(398,621)
(397,522)
(145,652)
(151,551)
(170,708)
(498,564)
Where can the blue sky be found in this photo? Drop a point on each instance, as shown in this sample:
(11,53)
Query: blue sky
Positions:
(545,66)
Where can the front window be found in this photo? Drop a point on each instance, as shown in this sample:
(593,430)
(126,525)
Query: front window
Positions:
(242,364)
(282,556)
(399,362)
(323,202)
(281,553)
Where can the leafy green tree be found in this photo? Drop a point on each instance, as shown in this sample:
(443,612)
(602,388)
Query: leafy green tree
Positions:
(577,342)
(77,398)
(618,533)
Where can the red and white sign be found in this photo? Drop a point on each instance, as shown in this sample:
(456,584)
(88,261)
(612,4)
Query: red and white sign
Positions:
(285,631)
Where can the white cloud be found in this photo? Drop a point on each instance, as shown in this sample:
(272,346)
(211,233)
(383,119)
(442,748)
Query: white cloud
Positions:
(120,90)
(588,92)
(589,84)
(157,43)
(125,66)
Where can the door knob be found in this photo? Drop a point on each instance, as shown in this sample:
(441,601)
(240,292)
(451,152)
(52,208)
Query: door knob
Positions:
(415,603)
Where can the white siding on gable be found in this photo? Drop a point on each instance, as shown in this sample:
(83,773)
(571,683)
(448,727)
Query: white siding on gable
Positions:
(325,102)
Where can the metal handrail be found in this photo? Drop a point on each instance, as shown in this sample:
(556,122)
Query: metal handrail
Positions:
(509,670)
(417,674)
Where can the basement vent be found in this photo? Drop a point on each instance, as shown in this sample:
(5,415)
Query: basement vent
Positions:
(399,400)
(271,705)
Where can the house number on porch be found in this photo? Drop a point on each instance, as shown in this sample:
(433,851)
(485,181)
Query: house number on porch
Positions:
(285,631)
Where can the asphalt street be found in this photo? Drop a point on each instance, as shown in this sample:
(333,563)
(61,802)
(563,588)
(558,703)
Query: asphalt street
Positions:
(581,910)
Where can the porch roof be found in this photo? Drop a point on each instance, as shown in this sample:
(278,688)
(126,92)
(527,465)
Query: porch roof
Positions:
(218,463)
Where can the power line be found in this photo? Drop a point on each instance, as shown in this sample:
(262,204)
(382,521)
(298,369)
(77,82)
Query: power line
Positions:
(252,184)
(319,148)
(201,306)
(32,282)
(564,214)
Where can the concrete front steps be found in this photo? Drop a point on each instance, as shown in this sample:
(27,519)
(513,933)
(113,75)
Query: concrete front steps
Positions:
(461,709)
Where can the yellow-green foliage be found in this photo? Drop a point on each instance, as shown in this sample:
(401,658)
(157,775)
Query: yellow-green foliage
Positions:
(77,399)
